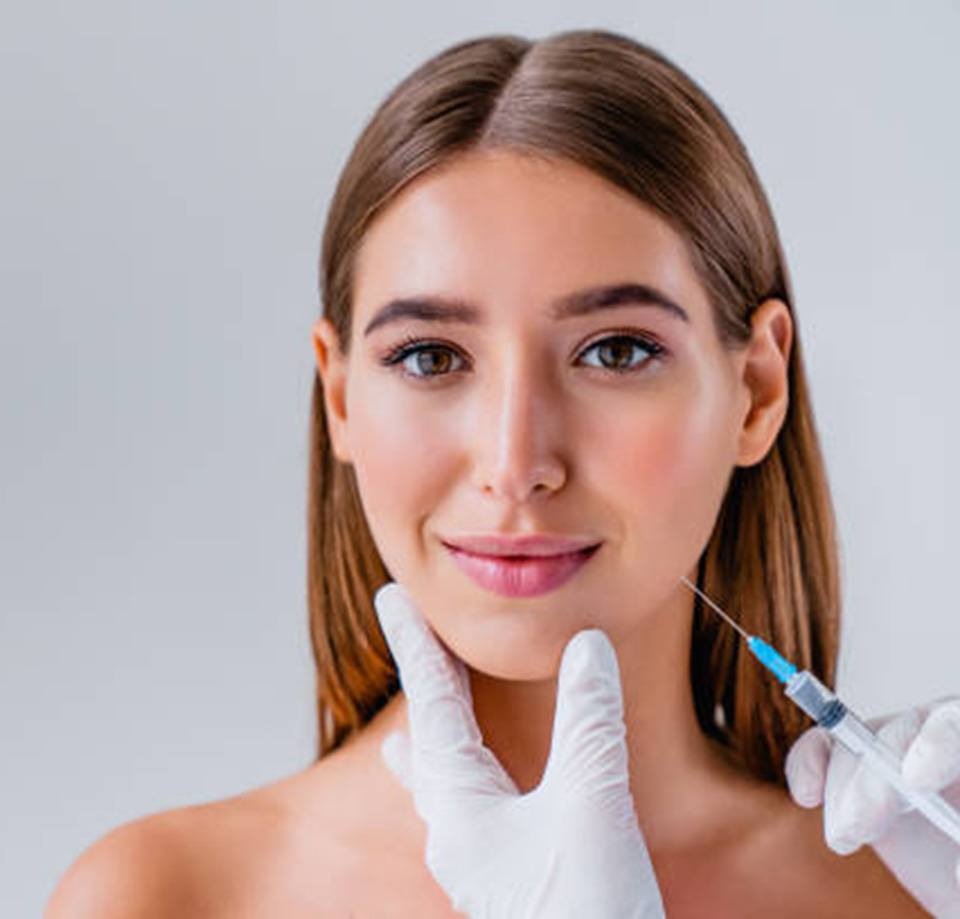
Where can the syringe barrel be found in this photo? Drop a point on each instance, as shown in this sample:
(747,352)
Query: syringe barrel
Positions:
(827,710)
(858,738)
(814,698)
(821,704)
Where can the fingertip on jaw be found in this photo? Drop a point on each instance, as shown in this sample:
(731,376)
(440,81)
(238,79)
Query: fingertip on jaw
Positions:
(590,643)
(384,592)
(385,602)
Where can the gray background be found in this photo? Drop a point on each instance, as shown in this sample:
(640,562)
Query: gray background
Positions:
(165,170)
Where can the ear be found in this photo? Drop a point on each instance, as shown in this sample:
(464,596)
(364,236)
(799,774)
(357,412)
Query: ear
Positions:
(332,367)
(765,376)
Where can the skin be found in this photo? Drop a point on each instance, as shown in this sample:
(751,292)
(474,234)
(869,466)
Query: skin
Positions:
(531,436)
(530,431)
(521,429)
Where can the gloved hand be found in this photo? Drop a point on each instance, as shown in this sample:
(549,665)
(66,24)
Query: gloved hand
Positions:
(859,807)
(570,847)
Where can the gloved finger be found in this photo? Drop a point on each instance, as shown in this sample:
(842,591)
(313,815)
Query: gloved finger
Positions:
(932,761)
(588,752)
(840,770)
(439,717)
(396,754)
(806,766)
(446,743)
(865,804)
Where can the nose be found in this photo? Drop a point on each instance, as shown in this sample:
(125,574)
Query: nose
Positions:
(518,436)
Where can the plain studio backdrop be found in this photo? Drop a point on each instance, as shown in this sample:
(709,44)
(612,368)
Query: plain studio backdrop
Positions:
(165,172)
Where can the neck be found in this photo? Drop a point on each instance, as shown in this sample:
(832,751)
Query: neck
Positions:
(678,776)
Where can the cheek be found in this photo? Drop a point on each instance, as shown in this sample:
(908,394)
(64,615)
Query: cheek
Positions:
(661,460)
(651,477)
(400,459)
(667,468)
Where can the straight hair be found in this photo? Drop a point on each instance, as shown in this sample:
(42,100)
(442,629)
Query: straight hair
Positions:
(623,110)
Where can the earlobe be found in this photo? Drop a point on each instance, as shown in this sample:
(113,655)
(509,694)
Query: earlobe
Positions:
(766,376)
(331,366)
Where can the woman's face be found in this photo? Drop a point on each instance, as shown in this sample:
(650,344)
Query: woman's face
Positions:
(619,425)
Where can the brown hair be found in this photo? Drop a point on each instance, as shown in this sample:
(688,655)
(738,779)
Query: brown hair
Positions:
(623,110)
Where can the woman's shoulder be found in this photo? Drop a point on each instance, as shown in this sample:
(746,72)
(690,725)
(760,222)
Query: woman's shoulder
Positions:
(335,838)
(291,848)
(131,870)
(179,862)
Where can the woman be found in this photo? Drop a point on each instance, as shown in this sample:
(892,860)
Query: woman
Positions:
(555,306)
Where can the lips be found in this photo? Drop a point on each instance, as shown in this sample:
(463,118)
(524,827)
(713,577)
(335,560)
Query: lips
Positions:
(531,544)
(521,575)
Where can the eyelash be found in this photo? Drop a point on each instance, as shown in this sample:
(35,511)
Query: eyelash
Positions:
(413,345)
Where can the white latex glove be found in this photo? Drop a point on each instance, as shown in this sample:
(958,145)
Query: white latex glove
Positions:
(571,847)
(859,807)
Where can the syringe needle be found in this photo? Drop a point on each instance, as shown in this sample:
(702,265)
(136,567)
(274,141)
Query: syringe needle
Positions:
(821,704)
(778,665)
(714,605)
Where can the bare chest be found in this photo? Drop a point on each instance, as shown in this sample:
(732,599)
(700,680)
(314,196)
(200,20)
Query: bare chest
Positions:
(332,880)
(379,894)
(353,852)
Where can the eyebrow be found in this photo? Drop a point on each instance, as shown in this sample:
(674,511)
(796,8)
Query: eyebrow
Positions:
(579,303)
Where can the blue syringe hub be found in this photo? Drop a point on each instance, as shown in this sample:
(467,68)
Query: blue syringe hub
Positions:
(779,666)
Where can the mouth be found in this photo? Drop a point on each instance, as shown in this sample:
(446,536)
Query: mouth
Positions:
(521,575)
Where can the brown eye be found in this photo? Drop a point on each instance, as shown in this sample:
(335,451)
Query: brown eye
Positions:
(423,360)
(615,352)
(432,361)
(428,361)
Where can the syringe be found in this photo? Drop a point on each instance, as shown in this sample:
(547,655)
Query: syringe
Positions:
(829,712)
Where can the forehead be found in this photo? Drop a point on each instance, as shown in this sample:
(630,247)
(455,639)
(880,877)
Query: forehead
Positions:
(501,228)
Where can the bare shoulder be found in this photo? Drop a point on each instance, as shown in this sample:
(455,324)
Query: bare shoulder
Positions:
(198,860)
(337,838)
(135,869)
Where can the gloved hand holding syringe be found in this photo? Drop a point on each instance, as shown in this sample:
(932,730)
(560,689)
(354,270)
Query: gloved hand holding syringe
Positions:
(878,783)
(487,844)
(829,712)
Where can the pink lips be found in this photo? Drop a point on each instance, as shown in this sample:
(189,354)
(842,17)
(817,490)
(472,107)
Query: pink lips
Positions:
(520,576)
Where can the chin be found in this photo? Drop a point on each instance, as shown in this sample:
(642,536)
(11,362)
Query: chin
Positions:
(512,646)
